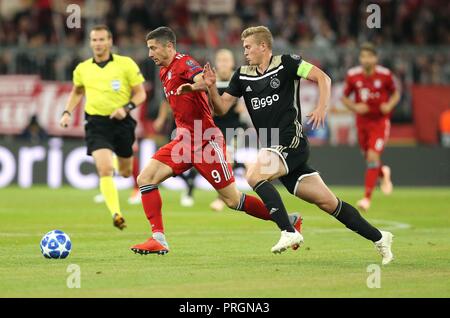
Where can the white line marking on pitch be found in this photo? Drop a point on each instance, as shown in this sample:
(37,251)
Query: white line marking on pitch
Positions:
(383,224)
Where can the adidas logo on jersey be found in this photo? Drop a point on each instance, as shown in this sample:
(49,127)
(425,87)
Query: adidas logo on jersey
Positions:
(285,154)
(248,89)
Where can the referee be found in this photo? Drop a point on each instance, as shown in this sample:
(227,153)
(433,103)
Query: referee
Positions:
(113,86)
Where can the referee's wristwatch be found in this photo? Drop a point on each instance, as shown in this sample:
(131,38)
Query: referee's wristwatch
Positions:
(129,107)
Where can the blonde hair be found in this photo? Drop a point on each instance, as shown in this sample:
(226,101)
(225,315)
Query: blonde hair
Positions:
(261,34)
(368,46)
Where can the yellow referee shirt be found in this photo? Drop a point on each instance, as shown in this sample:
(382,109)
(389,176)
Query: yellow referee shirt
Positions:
(107,88)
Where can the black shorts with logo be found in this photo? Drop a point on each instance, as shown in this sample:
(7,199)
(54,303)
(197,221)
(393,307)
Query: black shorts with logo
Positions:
(296,162)
(117,135)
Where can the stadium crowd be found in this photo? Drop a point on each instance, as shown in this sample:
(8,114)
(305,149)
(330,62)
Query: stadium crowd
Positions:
(302,25)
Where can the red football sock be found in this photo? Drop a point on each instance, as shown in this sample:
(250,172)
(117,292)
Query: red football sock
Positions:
(152,203)
(135,171)
(255,207)
(372,174)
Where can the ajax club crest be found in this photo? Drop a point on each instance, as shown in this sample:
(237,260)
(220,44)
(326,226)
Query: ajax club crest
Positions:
(274,82)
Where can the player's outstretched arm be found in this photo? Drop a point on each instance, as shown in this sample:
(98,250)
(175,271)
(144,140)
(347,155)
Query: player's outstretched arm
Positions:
(198,85)
(317,116)
(221,103)
(75,97)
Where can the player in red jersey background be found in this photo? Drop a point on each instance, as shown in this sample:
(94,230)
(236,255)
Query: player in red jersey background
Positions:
(375,96)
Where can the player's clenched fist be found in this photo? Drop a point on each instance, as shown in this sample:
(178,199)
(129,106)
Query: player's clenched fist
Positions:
(361,108)
(118,114)
(385,108)
(185,88)
(65,119)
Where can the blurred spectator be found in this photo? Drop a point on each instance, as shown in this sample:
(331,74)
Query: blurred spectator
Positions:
(325,29)
(409,21)
(34,133)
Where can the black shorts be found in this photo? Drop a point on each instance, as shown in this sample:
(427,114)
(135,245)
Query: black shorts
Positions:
(117,135)
(235,131)
(295,161)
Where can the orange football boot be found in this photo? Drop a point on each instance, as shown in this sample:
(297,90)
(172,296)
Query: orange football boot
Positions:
(151,246)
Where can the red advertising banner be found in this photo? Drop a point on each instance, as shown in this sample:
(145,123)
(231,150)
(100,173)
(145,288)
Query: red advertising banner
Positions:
(22,96)
(429,102)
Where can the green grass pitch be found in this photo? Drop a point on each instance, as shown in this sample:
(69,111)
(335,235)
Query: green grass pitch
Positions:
(224,254)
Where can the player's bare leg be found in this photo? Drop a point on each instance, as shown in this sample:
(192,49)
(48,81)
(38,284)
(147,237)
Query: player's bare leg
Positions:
(217,205)
(268,167)
(125,166)
(312,189)
(104,163)
(148,180)
(230,195)
(386,185)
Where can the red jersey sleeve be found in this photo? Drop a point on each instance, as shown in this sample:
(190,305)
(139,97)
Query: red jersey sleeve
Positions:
(348,87)
(390,84)
(190,68)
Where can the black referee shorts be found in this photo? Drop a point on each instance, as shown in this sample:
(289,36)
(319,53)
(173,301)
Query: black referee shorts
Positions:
(295,161)
(117,135)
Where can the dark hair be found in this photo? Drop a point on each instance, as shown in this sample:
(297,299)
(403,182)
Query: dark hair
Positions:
(100,27)
(162,34)
(368,46)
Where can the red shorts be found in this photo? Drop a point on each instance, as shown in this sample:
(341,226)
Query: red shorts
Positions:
(373,135)
(209,160)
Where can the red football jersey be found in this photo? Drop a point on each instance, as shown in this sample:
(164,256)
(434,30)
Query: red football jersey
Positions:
(373,90)
(187,107)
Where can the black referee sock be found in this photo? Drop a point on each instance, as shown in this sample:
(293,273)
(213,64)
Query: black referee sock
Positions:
(190,181)
(352,219)
(238,165)
(272,200)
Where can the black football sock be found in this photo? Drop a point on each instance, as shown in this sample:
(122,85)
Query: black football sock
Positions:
(238,165)
(272,200)
(352,219)
(190,181)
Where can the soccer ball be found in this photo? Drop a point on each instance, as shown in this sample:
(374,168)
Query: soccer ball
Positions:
(56,244)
